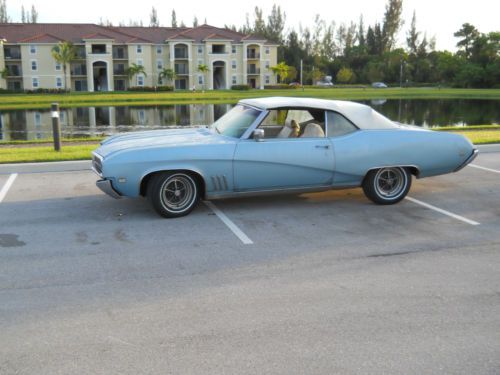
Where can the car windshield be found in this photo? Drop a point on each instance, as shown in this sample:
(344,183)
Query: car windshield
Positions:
(235,122)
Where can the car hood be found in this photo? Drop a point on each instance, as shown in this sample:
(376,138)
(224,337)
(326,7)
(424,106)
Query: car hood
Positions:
(160,139)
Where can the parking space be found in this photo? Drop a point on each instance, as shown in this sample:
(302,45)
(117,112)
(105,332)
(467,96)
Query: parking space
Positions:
(82,272)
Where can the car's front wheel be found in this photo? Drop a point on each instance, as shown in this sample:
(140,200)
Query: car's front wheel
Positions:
(172,194)
(387,185)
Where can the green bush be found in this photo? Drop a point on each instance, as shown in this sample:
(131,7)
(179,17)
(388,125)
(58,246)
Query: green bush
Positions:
(279,87)
(240,87)
(149,88)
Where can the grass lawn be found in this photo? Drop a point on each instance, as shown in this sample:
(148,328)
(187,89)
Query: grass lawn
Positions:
(86,99)
(39,151)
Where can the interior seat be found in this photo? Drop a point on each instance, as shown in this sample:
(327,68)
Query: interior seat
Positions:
(313,131)
(290,130)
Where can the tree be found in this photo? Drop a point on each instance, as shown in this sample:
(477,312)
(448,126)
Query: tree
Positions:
(64,53)
(202,68)
(174,18)
(468,33)
(134,70)
(275,25)
(23,14)
(4,73)
(413,35)
(259,26)
(153,18)
(361,33)
(345,75)
(34,14)
(195,21)
(281,70)
(392,23)
(168,74)
(4,17)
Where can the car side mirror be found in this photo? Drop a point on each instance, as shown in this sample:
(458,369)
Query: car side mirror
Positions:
(258,134)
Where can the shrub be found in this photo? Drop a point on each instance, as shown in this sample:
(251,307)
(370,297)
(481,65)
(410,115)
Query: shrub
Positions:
(279,87)
(149,88)
(240,87)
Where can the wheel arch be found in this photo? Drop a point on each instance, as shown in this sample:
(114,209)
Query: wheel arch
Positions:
(414,170)
(200,181)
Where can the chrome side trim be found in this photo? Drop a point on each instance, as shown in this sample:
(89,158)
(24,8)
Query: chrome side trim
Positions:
(281,191)
(471,157)
(107,187)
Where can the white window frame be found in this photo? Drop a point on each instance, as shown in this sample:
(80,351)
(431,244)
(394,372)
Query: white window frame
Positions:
(234,64)
(267,64)
(35,82)
(234,80)
(200,62)
(33,49)
(200,80)
(37,119)
(58,67)
(233,49)
(138,48)
(159,64)
(267,50)
(140,62)
(267,79)
(59,79)
(140,80)
(36,65)
(200,49)
(159,50)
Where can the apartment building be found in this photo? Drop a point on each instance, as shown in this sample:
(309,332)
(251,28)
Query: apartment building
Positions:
(103,55)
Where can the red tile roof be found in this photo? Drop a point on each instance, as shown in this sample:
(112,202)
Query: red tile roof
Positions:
(76,32)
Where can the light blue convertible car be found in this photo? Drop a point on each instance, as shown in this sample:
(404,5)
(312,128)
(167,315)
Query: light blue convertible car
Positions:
(276,145)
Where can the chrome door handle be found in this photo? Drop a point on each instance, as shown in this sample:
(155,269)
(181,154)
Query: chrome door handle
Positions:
(325,146)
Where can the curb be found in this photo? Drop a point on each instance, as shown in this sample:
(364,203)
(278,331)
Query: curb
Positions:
(495,147)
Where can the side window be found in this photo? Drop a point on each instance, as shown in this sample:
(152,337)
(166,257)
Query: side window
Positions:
(294,123)
(338,125)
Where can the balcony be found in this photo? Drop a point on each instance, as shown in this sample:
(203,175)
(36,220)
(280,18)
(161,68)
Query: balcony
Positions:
(14,71)
(12,54)
(254,71)
(120,53)
(119,71)
(252,55)
(78,70)
(181,70)
(180,55)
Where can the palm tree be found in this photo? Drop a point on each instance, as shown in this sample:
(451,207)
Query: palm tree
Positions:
(202,68)
(281,70)
(168,74)
(4,73)
(64,53)
(134,70)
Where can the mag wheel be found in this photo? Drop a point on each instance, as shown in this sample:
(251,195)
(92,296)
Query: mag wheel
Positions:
(387,185)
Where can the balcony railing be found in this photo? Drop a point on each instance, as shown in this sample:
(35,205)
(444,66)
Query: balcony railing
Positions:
(253,71)
(181,70)
(119,54)
(253,55)
(79,71)
(13,56)
(181,55)
(14,71)
(119,71)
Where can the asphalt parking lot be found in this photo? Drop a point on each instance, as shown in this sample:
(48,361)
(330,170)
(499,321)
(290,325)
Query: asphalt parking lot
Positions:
(320,283)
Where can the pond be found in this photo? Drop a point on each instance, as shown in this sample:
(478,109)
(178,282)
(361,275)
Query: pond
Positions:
(95,121)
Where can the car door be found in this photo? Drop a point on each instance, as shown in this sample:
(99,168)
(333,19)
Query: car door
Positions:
(280,162)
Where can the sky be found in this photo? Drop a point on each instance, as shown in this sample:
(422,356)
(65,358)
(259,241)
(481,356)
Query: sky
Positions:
(439,18)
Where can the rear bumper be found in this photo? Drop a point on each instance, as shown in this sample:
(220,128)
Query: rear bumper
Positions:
(107,187)
(471,157)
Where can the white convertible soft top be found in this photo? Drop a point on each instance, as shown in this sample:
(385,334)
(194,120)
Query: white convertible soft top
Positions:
(361,115)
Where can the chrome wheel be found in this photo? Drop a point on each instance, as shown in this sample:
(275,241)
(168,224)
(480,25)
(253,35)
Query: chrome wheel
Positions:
(178,193)
(390,182)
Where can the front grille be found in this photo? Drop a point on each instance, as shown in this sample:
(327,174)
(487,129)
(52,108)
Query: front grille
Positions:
(97,164)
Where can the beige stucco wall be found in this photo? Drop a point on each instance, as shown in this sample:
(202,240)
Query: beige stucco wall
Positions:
(45,72)
(3,82)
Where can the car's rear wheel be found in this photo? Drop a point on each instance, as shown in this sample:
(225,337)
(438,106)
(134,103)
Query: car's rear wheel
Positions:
(172,194)
(387,185)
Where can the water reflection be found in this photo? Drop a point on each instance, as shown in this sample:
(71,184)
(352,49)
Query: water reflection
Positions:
(91,121)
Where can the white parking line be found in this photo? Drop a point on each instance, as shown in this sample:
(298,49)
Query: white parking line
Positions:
(234,228)
(484,168)
(7,186)
(444,212)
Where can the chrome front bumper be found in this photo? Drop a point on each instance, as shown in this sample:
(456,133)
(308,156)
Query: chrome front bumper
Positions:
(107,187)
(472,156)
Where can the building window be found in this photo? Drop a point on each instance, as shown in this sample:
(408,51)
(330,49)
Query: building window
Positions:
(80,85)
(160,81)
(34,65)
(200,80)
(159,64)
(142,116)
(200,62)
(32,49)
(233,49)
(233,64)
(267,80)
(200,49)
(159,50)
(34,82)
(267,50)
(139,48)
(140,62)
(59,83)
(38,119)
(235,81)
(140,80)
(267,64)
(58,66)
